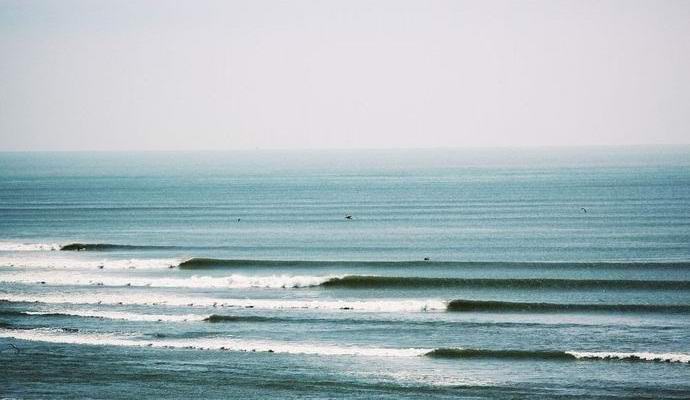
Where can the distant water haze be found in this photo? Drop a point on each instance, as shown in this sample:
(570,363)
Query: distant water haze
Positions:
(209,75)
(454,205)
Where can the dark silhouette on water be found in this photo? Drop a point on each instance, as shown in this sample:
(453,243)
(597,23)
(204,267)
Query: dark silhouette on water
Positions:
(583,209)
(13,347)
(348,217)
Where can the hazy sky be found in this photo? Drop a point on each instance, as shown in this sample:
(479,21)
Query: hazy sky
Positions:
(124,75)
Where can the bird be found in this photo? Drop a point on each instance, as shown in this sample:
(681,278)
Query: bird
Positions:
(348,217)
(583,209)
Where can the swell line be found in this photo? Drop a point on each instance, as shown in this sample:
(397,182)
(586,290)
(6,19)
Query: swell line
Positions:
(367,282)
(112,247)
(555,355)
(211,263)
(504,306)
(76,337)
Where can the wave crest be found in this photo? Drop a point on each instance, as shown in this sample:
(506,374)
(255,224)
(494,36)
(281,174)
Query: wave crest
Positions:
(111,247)
(370,281)
(504,306)
(456,353)
(229,344)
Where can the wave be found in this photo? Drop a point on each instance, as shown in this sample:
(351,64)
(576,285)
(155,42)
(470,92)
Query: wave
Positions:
(213,343)
(128,316)
(111,247)
(500,354)
(339,319)
(370,305)
(115,315)
(90,276)
(53,335)
(234,281)
(216,318)
(503,306)
(209,263)
(455,353)
(366,282)
(212,263)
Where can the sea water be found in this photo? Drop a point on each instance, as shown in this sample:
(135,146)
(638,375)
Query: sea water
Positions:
(460,273)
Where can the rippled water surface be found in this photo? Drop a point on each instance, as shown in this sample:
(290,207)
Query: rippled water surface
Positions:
(484,274)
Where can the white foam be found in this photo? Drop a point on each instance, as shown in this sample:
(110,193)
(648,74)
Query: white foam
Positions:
(107,339)
(231,344)
(121,315)
(14,246)
(73,263)
(58,336)
(151,298)
(665,357)
(234,281)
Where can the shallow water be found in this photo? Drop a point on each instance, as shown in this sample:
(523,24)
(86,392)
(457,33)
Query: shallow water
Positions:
(237,275)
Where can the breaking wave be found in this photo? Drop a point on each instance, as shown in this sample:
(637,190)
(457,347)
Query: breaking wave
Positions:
(534,355)
(111,247)
(38,262)
(215,318)
(234,281)
(214,343)
(53,335)
(118,315)
(163,299)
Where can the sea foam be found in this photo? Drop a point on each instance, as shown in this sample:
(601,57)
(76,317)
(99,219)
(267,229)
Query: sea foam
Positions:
(15,246)
(75,263)
(233,281)
(52,335)
(161,299)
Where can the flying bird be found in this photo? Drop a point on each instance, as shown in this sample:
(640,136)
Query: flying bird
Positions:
(348,217)
(583,209)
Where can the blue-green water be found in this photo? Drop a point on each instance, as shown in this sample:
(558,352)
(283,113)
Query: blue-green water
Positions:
(548,273)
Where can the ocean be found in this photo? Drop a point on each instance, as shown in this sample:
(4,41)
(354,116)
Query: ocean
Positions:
(482,273)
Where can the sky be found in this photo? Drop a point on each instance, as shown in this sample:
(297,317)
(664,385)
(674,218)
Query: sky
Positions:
(312,74)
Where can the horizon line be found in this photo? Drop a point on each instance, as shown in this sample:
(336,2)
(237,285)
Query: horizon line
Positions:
(346,149)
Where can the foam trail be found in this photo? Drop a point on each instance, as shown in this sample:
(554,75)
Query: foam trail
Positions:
(234,281)
(33,262)
(14,246)
(146,298)
(637,356)
(121,315)
(59,336)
